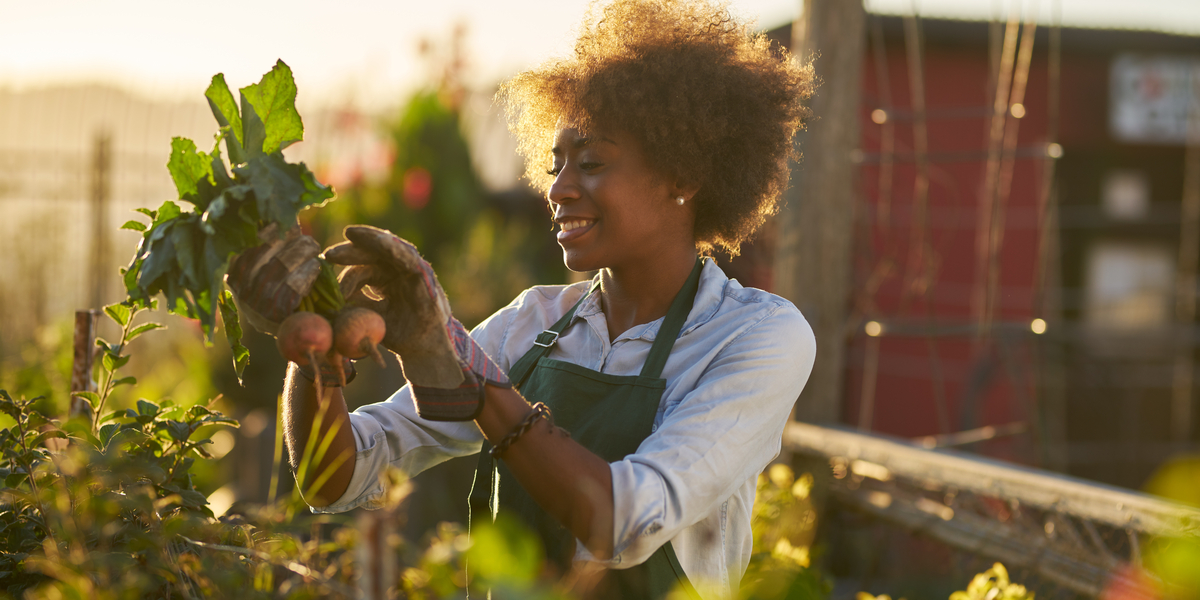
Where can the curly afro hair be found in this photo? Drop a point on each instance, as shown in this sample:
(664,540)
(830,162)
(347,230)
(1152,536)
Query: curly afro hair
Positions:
(711,103)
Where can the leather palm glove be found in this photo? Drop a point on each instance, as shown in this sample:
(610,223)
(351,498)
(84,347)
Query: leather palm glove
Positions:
(268,282)
(445,367)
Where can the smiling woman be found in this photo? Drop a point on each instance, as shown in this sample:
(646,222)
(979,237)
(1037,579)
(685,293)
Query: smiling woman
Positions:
(710,105)
(625,419)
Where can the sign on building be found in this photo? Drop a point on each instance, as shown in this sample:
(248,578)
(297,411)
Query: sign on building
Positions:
(1153,99)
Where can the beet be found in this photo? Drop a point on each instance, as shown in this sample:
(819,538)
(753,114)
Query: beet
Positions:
(303,337)
(357,332)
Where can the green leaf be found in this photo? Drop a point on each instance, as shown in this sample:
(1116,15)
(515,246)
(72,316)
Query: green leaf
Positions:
(125,381)
(15,479)
(233,332)
(316,194)
(220,419)
(215,210)
(143,328)
(134,225)
(147,408)
(220,174)
(149,213)
(193,499)
(91,397)
(273,102)
(177,430)
(35,419)
(168,211)
(107,432)
(130,275)
(45,435)
(190,169)
(198,410)
(112,362)
(224,109)
(278,187)
(158,262)
(185,256)
(119,313)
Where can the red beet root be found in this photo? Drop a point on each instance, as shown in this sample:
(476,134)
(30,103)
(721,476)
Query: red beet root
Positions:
(303,337)
(357,332)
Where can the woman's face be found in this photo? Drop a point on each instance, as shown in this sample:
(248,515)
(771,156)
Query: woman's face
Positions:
(612,210)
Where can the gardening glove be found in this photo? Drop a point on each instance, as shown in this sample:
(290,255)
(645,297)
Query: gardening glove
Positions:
(445,367)
(268,281)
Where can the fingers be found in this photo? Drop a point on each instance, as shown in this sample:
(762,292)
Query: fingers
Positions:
(301,278)
(298,251)
(382,243)
(352,280)
(346,253)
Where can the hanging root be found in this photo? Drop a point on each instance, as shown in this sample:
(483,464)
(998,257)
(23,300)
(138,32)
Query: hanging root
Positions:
(312,360)
(366,347)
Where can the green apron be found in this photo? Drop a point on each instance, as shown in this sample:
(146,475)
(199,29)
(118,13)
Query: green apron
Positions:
(609,415)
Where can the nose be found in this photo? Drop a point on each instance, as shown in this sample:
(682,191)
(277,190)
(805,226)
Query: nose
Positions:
(564,189)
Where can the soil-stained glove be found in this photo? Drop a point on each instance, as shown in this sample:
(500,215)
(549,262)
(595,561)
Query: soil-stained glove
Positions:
(268,281)
(445,367)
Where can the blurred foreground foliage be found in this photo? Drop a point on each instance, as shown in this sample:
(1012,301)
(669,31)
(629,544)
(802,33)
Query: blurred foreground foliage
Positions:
(110,509)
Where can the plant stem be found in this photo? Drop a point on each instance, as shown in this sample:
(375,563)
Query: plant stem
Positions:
(107,388)
(22,420)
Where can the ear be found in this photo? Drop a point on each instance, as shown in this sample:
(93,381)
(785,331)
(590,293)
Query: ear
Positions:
(685,189)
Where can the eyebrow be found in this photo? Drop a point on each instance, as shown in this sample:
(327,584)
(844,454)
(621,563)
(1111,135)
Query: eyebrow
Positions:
(581,142)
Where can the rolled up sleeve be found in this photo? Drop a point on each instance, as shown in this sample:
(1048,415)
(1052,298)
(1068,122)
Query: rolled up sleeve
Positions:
(390,433)
(720,434)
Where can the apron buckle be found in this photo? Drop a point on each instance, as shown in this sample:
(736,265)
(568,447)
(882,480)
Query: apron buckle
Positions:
(546,339)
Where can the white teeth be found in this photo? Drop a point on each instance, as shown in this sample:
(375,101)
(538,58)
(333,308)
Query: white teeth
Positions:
(569,225)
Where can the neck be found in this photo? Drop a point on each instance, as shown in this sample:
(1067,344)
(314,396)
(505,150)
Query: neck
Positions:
(638,294)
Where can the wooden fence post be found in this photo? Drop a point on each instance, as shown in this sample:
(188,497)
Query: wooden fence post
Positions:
(813,258)
(85,355)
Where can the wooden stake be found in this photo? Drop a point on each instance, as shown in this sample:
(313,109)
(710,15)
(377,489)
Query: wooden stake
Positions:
(84,359)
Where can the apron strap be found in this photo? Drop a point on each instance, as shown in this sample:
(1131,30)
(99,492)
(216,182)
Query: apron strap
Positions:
(672,324)
(543,343)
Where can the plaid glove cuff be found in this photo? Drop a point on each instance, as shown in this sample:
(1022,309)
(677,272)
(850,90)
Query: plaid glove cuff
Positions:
(462,403)
(473,358)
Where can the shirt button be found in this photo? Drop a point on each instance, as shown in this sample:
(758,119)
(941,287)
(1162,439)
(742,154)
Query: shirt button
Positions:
(653,428)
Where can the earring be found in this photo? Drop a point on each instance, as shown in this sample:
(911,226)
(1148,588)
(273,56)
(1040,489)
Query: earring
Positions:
(680,200)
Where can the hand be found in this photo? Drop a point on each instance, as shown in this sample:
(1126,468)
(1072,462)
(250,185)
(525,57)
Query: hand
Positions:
(268,281)
(446,368)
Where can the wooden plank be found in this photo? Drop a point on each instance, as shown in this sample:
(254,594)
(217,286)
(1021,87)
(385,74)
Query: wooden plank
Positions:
(946,469)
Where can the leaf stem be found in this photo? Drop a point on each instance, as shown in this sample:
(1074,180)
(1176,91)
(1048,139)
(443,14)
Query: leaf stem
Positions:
(111,376)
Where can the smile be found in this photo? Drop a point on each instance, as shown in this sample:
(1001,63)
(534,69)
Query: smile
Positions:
(574,228)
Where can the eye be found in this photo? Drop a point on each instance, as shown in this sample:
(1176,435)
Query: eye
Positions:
(589,166)
(554,172)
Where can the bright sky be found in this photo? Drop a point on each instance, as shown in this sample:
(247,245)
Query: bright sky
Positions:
(365,50)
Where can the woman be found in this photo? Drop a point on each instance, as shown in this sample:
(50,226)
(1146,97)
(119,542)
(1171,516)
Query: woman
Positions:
(661,386)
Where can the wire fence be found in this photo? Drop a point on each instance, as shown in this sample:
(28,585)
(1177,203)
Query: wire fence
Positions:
(1071,537)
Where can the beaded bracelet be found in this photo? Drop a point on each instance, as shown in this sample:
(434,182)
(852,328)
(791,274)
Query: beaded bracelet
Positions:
(539,411)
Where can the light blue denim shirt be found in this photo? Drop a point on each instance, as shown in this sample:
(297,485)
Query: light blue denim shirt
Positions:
(732,378)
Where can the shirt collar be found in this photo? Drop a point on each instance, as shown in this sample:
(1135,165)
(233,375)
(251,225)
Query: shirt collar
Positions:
(708,299)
